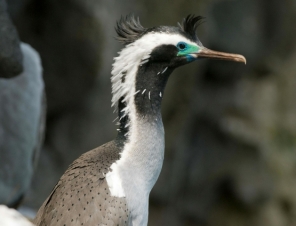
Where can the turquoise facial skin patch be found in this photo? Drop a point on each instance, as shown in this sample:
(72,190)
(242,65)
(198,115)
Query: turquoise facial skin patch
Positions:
(185,49)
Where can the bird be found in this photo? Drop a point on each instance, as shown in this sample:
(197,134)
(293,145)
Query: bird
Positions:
(110,185)
(22,125)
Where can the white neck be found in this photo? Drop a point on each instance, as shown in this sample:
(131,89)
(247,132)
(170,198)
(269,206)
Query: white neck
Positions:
(136,172)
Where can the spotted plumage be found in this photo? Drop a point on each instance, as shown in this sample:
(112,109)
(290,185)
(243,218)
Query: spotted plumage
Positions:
(82,196)
(110,185)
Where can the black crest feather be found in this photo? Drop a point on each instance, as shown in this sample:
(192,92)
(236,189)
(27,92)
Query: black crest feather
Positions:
(129,29)
(190,24)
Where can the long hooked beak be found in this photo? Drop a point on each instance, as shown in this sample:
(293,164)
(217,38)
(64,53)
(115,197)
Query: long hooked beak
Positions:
(207,53)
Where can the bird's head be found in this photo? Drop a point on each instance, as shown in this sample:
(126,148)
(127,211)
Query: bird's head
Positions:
(173,45)
(151,54)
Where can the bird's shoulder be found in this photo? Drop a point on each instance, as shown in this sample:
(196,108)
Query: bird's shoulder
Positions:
(99,159)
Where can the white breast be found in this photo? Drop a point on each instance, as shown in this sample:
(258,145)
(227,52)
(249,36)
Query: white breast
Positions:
(136,172)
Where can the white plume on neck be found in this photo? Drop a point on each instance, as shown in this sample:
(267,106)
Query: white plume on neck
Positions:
(129,59)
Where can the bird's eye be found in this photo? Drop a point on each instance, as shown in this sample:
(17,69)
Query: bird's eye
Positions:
(182,45)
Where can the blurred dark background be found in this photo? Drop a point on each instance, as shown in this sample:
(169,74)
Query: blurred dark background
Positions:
(230,129)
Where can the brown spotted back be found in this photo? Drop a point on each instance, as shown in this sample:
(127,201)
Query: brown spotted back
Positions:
(82,197)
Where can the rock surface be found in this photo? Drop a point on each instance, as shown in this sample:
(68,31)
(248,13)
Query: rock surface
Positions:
(10,217)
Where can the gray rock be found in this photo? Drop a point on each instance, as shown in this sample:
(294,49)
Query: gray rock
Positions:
(11,217)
